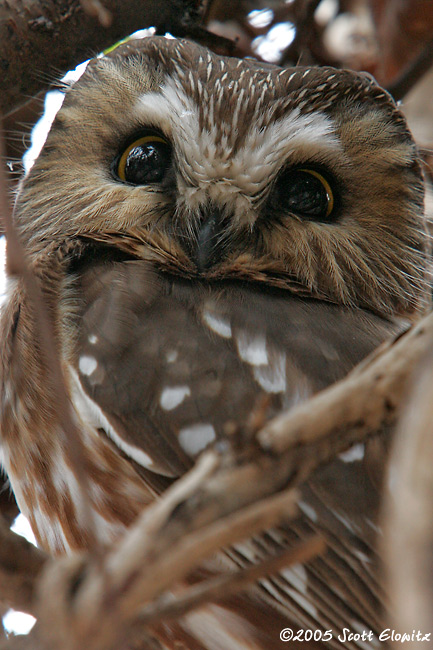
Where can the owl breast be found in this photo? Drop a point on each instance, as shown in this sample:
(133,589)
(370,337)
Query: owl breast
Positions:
(170,366)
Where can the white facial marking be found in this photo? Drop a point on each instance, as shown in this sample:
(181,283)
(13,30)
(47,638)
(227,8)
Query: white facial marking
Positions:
(212,163)
(195,438)
(356,452)
(93,339)
(252,348)
(217,324)
(87,365)
(172,396)
(272,378)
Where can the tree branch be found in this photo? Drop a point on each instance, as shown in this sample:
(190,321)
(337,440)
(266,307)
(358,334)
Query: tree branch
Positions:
(362,404)
(41,40)
(408,511)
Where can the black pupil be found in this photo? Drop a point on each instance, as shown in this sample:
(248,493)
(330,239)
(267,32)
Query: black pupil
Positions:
(147,163)
(304,194)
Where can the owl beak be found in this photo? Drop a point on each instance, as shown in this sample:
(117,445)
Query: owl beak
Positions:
(209,238)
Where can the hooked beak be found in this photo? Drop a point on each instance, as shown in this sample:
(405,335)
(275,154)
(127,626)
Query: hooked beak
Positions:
(207,249)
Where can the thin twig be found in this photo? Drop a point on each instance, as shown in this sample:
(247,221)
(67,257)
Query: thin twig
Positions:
(221,587)
(143,566)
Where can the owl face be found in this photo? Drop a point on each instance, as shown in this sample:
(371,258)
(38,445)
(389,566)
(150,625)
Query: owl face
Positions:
(214,167)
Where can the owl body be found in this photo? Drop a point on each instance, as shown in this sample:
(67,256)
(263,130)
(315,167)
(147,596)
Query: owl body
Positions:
(206,232)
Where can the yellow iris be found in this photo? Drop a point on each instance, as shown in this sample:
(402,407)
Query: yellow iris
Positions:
(146,139)
(326,186)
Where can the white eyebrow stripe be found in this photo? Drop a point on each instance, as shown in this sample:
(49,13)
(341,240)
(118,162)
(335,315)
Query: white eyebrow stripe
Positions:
(209,159)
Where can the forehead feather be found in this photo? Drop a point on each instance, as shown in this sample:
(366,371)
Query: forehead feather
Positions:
(231,119)
(147,63)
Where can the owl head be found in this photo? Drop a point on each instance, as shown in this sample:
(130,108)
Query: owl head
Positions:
(220,168)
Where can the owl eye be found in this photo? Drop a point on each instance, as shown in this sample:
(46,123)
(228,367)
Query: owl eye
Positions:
(146,160)
(307,193)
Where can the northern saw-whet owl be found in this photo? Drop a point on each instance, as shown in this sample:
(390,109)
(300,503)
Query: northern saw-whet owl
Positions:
(207,230)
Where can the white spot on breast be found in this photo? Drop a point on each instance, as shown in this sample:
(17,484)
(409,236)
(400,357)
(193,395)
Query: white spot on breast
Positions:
(217,324)
(195,438)
(171,356)
(172,396)
(356,452)
(87,365)
(93,339)
(272,378)
(252,348)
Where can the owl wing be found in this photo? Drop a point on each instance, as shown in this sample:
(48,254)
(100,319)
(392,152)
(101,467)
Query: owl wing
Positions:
(169,364)
(172,363)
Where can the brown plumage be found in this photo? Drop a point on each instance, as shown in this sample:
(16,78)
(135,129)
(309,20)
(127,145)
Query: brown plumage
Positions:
(205,231)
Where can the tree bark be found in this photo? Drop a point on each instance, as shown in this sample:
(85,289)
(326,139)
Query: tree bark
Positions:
(41,39)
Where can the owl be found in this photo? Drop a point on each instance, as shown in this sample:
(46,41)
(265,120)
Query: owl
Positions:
(206,231)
